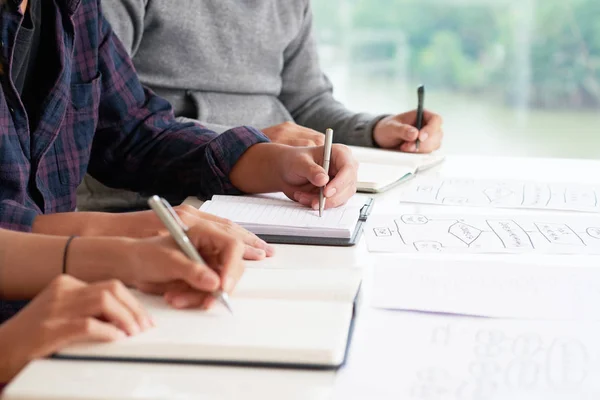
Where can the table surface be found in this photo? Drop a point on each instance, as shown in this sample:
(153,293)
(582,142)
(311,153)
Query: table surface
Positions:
(393,355)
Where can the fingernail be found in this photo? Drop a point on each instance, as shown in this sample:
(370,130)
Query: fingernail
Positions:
(297,196)
(259,252)
(424,136)
(412,148)
(135,329)
(209,280)
(270,250)
(315,206)
(330,192)
(322,176)
(145,323)
(180,302)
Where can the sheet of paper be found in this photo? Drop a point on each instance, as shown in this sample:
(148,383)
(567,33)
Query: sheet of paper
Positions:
(488,289)
(454,358)
(501,193)
(260,214)
(452,233)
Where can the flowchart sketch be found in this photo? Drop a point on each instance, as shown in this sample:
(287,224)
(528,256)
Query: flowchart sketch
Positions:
(451,233)
(502,194)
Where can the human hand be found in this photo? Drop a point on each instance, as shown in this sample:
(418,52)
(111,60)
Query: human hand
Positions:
(292,134)
(157,265)
(147,224)
(398,132)
(69,311)
(302,176)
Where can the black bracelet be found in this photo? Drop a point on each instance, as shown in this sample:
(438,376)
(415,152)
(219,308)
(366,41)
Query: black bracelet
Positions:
(64,269)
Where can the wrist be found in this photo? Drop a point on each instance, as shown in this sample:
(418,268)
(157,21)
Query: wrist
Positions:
(98,259)
(260,168)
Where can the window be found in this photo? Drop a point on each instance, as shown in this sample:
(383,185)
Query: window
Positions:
(518,77)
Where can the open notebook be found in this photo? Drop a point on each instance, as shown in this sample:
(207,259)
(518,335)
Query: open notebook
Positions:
(277,219)
(294,318)
(380,170)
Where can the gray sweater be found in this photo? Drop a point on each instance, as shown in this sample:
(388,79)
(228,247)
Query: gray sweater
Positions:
(228,63)
(235,62)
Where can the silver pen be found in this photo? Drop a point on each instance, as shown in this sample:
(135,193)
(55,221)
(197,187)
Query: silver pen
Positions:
(326,159)
(178,230)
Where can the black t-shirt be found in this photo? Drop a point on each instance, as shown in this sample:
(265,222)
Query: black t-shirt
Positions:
(27,46)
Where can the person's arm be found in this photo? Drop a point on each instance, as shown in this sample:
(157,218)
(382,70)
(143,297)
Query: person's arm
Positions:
(139,146)
(308,94)
(29,262)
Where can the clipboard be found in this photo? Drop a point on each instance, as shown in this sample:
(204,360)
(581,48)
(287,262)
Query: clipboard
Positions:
(365,211)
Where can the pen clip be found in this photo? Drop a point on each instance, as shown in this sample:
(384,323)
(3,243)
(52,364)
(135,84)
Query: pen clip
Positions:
(174,214)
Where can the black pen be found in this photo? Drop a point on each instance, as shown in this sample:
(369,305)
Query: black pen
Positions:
(419,126)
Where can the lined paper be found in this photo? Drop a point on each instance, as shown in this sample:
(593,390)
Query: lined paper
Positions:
(273,215)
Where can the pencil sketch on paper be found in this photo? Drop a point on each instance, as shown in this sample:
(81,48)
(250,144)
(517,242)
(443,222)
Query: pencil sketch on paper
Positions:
(504,359)
(502,193)
(448,233)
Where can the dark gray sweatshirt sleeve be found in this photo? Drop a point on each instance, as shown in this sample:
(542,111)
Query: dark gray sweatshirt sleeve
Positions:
(126,17)
(308,94)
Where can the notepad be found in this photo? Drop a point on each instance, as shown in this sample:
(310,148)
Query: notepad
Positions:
(380,170)
(277,219)
(281,318)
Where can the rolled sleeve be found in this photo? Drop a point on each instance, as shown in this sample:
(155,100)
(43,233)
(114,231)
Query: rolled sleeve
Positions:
(16,217)
(224,152)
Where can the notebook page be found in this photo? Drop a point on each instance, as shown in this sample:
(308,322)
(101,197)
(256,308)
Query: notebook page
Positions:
(277,331)
(376,176)
(285,217)
(322,284)
(389,157)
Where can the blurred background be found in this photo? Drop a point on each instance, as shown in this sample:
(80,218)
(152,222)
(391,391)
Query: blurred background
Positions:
(519,77)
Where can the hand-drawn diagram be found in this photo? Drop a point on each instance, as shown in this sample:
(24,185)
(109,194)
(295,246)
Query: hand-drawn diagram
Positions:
(505,194)
(490,360)
(500,234)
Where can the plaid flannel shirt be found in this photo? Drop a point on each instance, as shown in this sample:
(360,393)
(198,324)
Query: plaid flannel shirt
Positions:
(98,118)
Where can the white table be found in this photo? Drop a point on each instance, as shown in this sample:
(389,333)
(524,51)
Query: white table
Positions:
(394,355)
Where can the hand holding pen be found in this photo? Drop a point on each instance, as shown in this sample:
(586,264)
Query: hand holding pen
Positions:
(417,131)
(226,255)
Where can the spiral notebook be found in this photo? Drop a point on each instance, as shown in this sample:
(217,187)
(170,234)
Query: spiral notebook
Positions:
(277,219)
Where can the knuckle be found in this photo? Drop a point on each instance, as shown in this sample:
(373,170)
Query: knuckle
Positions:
(115,285)
(85,325)
(104,299)
(60,282)
(229,224)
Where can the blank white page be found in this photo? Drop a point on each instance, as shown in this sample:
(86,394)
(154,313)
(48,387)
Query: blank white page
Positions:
(396,158)
(275,216)
(489,289)
(316,284)
(372,176)
(260,331)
